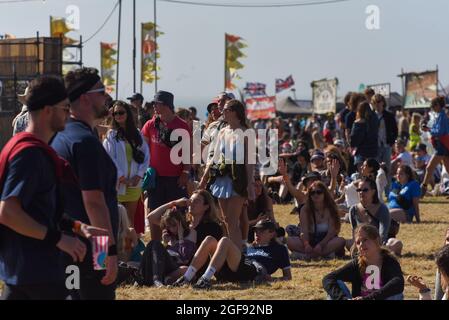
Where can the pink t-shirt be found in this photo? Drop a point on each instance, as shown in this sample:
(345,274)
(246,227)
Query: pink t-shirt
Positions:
(160,153)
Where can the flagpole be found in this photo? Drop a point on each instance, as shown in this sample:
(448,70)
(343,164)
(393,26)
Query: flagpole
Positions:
(155,54)
(134,46)
(226,60)
(118,46)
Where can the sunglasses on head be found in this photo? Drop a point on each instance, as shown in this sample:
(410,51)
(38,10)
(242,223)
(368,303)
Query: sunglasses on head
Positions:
(362,190)
(118,113)
(316,192)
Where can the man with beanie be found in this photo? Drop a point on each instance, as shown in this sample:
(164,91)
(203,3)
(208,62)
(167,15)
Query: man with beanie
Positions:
(94,201)
(171,181)
(31,211)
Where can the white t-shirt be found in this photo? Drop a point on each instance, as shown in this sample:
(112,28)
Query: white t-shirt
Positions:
(406,159)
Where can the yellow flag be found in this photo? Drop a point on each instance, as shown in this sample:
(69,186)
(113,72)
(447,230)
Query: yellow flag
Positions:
(58,27)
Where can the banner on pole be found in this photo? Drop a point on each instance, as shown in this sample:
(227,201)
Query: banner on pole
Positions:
(149,52)
(108,62)
(381,88)
(260,108)
(324,96)
(233,46)
(420,89)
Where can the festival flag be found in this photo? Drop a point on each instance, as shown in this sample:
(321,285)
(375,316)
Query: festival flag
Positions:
(149,52)
(59,28)
(233,46)
(108,62)
(284,84)
(255,89)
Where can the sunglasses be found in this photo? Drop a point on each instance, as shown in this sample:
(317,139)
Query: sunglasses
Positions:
(362,190)
(316,192)
(118,113)
(99,90)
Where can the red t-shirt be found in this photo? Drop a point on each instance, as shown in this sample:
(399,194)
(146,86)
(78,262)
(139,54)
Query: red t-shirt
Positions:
(159,152)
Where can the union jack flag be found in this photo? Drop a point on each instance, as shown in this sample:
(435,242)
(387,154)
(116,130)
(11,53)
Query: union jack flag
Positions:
(284,84)
(255,89)
(100,247)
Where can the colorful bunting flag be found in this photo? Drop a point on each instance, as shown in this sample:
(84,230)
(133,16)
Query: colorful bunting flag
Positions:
(149,52)
(108,62)
(233,46)
(284,84)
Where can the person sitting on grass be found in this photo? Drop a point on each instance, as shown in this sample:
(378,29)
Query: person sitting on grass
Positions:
(403,200)
(319,224)
(441,279)
(372,263)
(165,261)
(264,257)
(370,210)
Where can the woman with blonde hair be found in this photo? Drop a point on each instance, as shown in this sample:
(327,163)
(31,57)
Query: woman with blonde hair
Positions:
(374,273)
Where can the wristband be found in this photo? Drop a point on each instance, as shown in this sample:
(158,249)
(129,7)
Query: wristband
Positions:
(425,290)
(52,237)
(77,226)
(112,251)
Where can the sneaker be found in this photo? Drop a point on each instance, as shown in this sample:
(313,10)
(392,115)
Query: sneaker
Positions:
(157,284)
(203,284)
(182,281)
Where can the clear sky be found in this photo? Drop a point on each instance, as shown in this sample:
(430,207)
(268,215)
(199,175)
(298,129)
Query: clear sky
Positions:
(309,42)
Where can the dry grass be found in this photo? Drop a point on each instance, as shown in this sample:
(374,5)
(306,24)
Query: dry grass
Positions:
(420,241)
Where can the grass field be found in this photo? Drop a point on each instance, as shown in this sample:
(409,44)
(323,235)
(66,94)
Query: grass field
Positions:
(420,242)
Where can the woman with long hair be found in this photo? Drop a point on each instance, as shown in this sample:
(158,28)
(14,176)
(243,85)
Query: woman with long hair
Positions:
(403,200)
(165,261)
(264,257)
(374,273)
(320,225)
(230,175)
(439,129)
(371,211)
(125,145)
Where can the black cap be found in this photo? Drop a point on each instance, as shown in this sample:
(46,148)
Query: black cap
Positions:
(421,147)
(265,225)
(311,176)
(165,98)
(136,96)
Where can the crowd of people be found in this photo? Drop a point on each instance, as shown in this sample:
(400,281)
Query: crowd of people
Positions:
(81,165)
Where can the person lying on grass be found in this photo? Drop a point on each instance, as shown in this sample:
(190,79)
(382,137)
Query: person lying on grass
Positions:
(442,278)
(375,274)
(264,257)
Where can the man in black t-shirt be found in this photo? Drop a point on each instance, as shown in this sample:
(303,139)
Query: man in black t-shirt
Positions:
(31,215)
(95,200)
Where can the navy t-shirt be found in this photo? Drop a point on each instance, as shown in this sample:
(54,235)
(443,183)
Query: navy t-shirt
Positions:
(31,177)
(349,119)
(80,146)
(273,256)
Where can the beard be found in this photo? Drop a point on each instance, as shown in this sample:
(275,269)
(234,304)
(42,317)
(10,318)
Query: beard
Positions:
(101,112)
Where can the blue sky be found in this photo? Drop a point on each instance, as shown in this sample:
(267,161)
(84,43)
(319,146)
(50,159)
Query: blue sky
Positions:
(311,42)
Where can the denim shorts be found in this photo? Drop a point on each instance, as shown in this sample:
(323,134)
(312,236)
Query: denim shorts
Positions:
(440,149)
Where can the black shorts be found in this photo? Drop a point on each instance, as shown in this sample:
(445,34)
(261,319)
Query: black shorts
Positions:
(246,271)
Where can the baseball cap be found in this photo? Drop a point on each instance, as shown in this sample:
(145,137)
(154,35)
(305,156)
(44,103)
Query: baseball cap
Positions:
(211,104)
(265,225)
(339,143)
(421,147)
(317,154)
(311,176)
(227,95)
(135,96)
